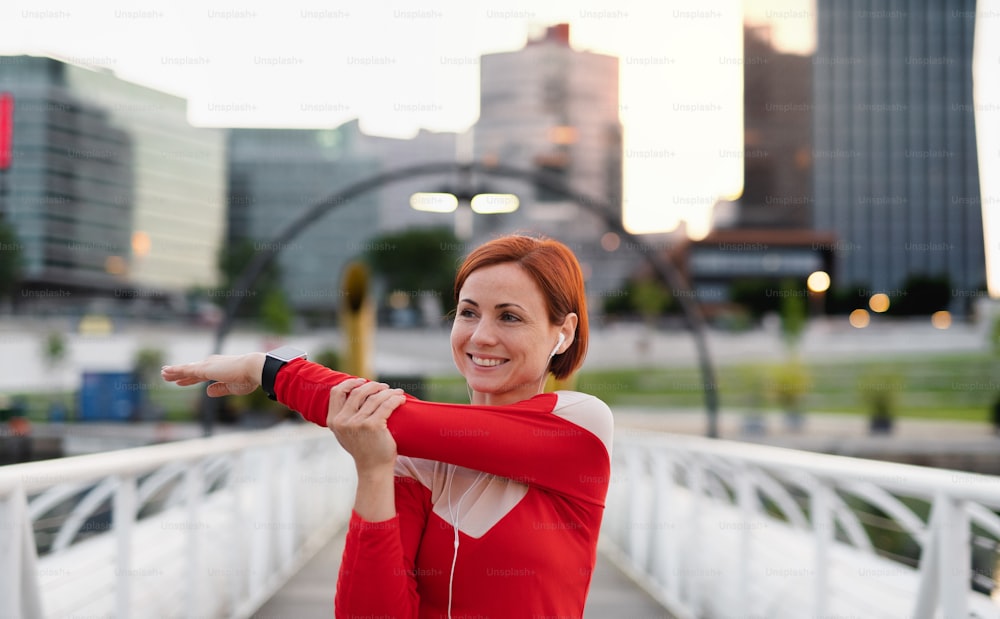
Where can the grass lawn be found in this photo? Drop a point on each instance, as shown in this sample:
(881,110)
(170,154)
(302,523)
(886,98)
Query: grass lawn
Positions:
(942,387)
(959,387)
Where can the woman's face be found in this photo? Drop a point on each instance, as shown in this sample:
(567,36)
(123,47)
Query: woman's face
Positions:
(501,339)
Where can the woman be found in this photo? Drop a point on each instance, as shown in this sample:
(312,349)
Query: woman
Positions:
(490,509)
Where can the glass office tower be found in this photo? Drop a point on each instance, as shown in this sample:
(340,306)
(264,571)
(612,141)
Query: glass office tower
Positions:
(895,161)
(109,189)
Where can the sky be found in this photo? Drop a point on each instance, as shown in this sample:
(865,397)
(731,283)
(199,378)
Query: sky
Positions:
(402,66)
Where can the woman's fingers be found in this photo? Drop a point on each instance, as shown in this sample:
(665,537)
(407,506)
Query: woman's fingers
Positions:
(359,395)
(360,425)
(337,408)
(217,390)
(354,403)
(383,404)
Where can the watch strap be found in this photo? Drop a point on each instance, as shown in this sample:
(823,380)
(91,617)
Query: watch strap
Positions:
(273,362)
(270,374)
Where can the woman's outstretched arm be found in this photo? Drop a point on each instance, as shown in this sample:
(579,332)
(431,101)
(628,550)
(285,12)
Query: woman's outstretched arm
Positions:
(515,441)
(566,452)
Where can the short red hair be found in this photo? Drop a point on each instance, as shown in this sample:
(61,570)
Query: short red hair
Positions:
(557,272)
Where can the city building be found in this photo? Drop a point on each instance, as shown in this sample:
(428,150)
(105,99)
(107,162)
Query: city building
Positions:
(777,124)
(768,258)
(392,154)
(554,108)
(110,190)
(895,162)
(275,175)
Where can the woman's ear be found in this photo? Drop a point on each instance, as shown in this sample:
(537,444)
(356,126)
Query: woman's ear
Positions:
(568,331)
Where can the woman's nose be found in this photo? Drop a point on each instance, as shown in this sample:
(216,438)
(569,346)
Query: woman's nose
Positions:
(483,334)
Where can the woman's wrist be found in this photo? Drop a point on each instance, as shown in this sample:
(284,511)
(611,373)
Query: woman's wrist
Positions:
(255,366)
(376,473)
(375,499)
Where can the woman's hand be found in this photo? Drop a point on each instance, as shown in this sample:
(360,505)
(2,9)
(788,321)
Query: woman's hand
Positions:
(357,414)
(233,374)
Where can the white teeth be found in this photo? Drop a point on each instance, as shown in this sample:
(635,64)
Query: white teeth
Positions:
(486,362)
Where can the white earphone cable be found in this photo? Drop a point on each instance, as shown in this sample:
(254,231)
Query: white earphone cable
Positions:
(454,516)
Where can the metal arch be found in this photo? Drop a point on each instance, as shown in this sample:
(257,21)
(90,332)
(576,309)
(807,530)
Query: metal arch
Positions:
(661,264)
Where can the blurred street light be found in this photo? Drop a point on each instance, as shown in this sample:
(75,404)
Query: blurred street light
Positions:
(818,282)
(941,319)
(879,302)
(610,241)
(141,244)
(859,318)
(434,202)
(494,203)
(455,200)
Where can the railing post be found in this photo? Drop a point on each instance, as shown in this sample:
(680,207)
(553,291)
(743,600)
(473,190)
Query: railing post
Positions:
(821,508)
(123,519)
(695,539)
(237,565)
(286,512)
(747,503)
(194,482)
(955,557)
(633,468)
(21,596)
(262,516)
(664,564)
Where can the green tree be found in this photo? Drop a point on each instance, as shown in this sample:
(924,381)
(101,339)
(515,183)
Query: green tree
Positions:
(146,364)
(752,294)
(793,313)
(846,299)
(416,260)
(651,299)
(645,297)
(233,258)
(266,302)
(276,315)
(922,296)
(54,349)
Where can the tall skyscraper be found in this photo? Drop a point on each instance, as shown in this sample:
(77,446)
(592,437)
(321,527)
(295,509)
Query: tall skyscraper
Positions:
(109,189)
(549,106)
(895,161)
(777,123)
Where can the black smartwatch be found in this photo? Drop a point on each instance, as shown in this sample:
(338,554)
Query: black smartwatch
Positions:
(274,361)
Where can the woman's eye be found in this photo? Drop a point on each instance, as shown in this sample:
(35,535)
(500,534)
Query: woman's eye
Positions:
(467,313)
(507,317)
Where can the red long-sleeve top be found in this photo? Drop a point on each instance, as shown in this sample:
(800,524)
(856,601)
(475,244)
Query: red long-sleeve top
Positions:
(524,486)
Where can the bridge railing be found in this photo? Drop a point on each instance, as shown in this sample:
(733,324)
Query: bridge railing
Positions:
(200,528)
(724,529)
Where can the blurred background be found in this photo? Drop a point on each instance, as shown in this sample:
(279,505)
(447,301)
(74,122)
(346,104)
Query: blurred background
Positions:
(787,212)
(819,173)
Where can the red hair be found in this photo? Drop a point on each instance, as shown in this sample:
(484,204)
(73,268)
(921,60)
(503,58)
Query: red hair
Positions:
(557,272)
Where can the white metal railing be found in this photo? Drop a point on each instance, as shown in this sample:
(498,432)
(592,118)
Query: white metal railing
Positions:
(200,528)
(726,529)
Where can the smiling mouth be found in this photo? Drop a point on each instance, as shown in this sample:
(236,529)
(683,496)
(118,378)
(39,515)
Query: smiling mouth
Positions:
(486,363)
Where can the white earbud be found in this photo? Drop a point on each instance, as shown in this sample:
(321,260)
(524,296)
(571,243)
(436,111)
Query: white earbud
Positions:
(562,338)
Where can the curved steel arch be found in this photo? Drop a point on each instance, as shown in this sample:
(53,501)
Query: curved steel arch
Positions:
(661,264)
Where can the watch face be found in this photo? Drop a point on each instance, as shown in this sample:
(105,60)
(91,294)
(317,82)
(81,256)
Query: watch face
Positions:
(287,353)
